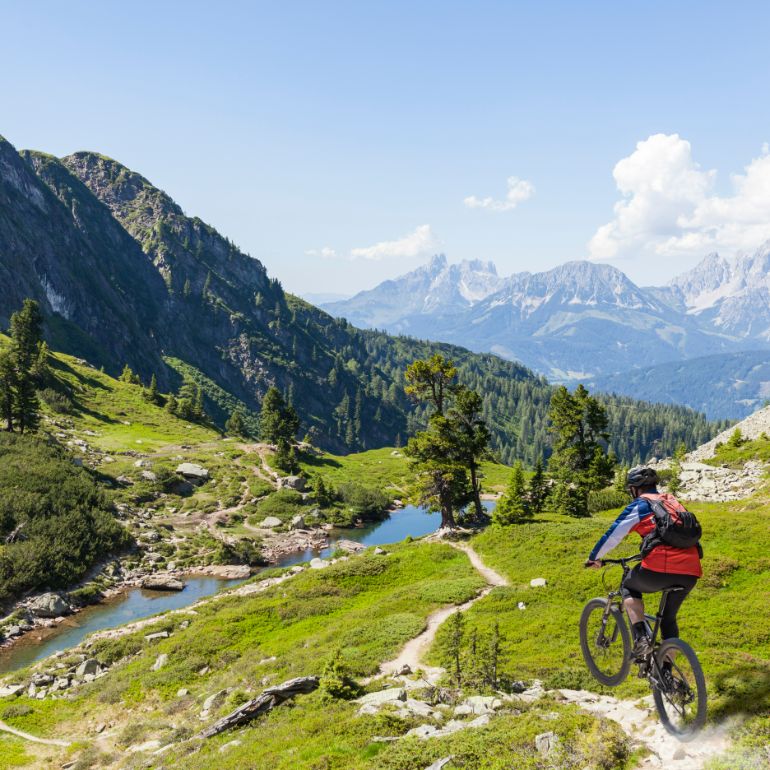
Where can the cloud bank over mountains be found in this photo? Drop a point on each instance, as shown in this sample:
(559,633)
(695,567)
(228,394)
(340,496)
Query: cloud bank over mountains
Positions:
(669,206)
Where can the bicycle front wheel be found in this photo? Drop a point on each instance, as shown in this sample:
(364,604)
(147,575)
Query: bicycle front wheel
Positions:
(680,690)
(606,642)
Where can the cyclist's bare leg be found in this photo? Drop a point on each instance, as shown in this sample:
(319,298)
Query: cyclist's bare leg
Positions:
(634,608)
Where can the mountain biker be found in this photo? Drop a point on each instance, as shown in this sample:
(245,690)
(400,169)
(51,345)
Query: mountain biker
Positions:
(663,567)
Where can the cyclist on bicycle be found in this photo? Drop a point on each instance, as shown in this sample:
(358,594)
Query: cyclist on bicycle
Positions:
(663,567)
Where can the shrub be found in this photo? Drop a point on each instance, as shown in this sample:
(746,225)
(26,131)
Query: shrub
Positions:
(365,502)
(606,499)
(57,401)
(336,681)
(65,518)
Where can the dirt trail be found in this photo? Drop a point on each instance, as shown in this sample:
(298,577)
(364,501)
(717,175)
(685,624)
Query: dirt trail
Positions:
(637,719)
(32,738)
(412,652)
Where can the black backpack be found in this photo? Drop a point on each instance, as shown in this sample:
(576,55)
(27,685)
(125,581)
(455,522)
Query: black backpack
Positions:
(674,526)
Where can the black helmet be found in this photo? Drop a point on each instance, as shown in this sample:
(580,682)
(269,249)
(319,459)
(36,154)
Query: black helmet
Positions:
(640,476)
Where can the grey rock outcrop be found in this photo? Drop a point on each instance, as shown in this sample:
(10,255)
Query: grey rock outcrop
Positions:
(50,605)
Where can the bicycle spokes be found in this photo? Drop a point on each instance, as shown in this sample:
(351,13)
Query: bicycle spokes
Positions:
(608,651)
(677,684)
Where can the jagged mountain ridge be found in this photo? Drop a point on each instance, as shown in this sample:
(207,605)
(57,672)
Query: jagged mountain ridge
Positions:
(435,289)
(584,320)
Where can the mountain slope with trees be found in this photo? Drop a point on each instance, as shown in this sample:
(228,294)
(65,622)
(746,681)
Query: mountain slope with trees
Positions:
(123,276)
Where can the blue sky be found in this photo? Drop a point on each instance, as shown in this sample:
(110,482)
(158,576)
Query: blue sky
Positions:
(312,132)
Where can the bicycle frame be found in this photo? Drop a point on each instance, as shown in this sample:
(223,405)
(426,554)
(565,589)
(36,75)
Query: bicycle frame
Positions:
(657,619)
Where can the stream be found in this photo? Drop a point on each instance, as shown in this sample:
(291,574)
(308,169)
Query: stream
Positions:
(138,603)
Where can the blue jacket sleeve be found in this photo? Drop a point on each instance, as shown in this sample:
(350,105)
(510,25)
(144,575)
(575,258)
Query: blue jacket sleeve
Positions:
(628,519)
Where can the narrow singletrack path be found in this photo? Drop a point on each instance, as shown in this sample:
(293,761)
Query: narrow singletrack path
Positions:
(33,738)
(412,652)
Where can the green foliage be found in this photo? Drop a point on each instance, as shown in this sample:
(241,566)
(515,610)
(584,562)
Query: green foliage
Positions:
(736,439)
(278,421)
(283,504)
(129,376)
(56,516)
(580,462)
(514,506)
(336,681)
(23,367)
(538,488)
(447,455)
(364,502)
(431,380)
(606,499)
(236,425)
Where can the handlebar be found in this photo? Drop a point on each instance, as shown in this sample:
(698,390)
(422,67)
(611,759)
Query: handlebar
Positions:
(622,562)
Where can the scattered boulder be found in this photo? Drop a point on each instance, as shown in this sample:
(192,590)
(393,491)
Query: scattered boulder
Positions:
(545,743)
(50,605)
(11,690)
(212,701)
(521,606)
(292,482)
(89,666)
(160,661)
(270,521)
(351,546)
(192,471)
(162,583)
(149,476)
(538,582)
(298,522)
(391,695)
(156,635)
(318,563)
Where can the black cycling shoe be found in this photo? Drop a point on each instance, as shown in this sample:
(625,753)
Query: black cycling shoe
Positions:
(642,649)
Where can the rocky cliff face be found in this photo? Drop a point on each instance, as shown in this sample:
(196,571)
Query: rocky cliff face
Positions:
(124,276)
(70,256)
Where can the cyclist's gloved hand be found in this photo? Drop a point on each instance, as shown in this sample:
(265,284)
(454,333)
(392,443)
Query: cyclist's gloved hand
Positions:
(593,564)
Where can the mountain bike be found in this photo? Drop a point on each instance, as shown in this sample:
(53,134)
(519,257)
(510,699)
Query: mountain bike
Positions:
(671,667)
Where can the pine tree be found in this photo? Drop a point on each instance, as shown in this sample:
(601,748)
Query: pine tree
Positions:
(171,404)
(151,393)
(455,645)
(538,488)
(235,425)
(278,421)
(431,380)
(513,507)
(129,376)
(579,462)
(7,388)
(471,438)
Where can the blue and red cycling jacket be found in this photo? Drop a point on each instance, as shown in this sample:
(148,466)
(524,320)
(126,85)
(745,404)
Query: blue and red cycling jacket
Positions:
(638,517)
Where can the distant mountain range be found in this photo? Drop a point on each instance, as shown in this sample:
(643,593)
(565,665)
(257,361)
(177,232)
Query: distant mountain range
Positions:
(584,321)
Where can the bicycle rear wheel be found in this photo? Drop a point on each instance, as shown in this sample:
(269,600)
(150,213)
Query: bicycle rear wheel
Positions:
(606,645)
(680,694)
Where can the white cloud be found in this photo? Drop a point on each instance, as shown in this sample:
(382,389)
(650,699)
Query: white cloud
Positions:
(325,253)
(669,208)
(519,190)
(419,243)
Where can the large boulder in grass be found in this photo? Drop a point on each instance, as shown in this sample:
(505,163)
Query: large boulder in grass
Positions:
(292,482)
(49,605)
(192,471)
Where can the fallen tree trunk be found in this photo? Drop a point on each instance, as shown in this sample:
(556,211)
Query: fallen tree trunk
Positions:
(268,699)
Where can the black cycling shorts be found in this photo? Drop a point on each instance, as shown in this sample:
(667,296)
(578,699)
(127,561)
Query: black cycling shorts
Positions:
(644,581)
